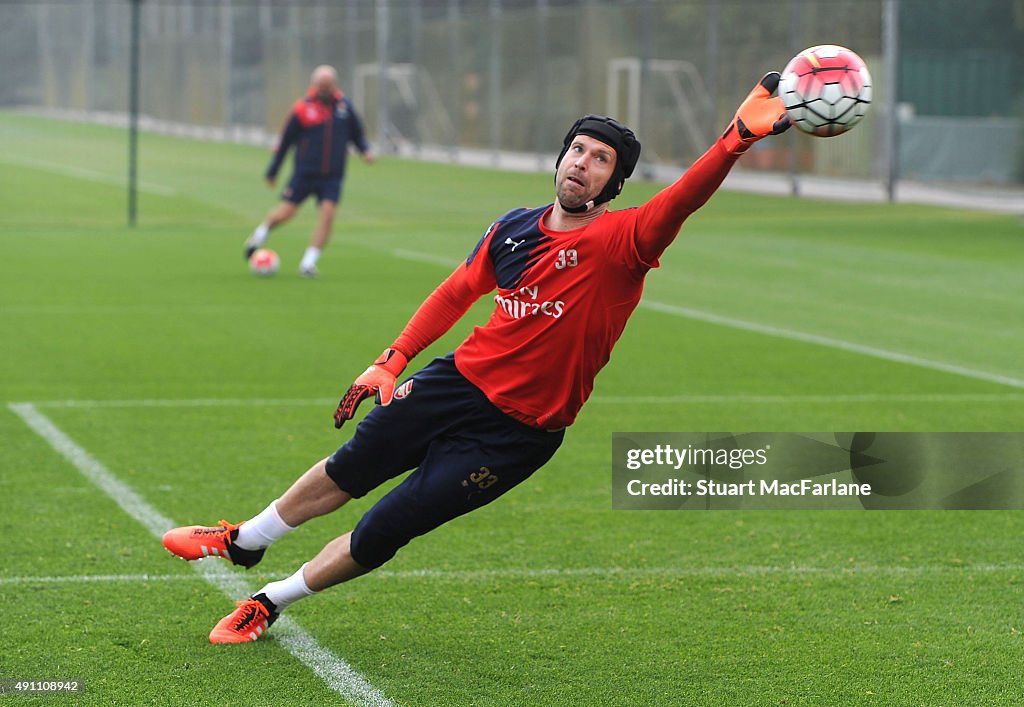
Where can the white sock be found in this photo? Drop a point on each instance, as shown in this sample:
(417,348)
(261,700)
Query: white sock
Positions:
(309,258)
(259,235)
(262,530)
(288,591)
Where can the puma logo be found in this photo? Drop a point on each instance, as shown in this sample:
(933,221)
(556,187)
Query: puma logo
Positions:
(514,244)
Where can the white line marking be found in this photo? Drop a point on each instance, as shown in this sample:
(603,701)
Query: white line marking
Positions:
(193,403)
(782,333)
(99,578)
(334,671)
(725,398)
(801,399)
(129,501)
(620,573)
(627,573)
(87,174)
(840,344)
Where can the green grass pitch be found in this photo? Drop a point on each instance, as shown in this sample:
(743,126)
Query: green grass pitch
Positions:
(206,390)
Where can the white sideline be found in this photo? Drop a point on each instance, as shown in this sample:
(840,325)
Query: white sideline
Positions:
(187,403)
(620,573)
(828,341)
(334,671)
(778,332)
(89,175)
(801,399)
(728,398)
(96,578)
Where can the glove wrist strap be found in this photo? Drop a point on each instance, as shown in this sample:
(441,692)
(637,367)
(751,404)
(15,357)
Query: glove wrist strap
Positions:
(732,142)
(392,360)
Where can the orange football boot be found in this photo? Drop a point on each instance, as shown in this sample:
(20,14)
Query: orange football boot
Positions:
(246,623)
(194,542)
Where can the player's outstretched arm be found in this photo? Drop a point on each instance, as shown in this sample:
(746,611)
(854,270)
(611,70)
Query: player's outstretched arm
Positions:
(760,114)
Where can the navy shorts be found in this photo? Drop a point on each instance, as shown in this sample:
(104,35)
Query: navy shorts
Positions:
(323,188)
(464,450)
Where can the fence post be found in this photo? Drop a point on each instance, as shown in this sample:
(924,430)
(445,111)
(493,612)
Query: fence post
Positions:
(891,54)
(133,112)
(383,63)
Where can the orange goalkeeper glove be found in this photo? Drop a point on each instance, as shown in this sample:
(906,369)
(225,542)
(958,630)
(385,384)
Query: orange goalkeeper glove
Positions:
(378,378)
(758,116)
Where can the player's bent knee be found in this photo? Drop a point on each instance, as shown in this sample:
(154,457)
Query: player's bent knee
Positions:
(372,545)
(390,525)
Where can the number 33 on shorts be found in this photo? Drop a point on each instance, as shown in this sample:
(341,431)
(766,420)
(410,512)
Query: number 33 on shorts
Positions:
(480,479)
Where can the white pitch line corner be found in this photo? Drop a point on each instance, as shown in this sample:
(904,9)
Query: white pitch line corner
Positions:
(333,670)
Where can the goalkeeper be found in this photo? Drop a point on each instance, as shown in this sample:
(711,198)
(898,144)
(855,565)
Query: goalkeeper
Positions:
(481,420)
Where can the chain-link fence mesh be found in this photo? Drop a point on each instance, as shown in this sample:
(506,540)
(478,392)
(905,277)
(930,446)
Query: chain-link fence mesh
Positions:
(508,76)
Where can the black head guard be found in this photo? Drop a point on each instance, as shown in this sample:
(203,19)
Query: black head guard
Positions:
(617,136)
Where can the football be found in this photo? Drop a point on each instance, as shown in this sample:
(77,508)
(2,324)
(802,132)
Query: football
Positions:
(264,262)
(826,90)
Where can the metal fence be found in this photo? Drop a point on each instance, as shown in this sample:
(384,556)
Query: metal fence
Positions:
(500,78)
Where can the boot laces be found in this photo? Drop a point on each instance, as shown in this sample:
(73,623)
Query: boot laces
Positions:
(253,611)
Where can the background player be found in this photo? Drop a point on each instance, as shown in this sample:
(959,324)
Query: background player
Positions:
(320,127)
(477,422)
